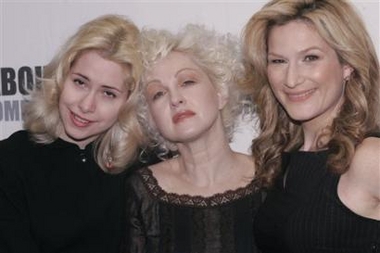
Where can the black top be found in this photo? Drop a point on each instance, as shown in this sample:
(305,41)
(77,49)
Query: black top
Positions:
(55,198)
(306,215)
(166,222)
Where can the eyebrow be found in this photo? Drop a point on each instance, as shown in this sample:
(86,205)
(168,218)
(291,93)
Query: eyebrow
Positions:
(184,69)
(81,75)
(104,86)
(113,88)
(312,48)
(176,74)
(152,81)
(301,51)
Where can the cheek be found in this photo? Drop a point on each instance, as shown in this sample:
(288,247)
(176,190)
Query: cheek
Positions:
(63,100)
(68,94)
(158,119)
(64,107)
(274,77)
(110,110)
(277,94)
(209,98)
(329,81)
(113,119)
(323,72)
(155,115)
(110,117)
(331,71)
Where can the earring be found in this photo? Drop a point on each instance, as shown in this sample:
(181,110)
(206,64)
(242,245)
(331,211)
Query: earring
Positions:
(345,80)
(109,162)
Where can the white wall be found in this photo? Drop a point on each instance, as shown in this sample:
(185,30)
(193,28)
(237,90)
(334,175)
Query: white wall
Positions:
(31,31)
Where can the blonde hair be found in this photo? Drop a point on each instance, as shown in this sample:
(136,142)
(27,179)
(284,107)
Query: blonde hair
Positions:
(116,38)
(341,27)
(218,55)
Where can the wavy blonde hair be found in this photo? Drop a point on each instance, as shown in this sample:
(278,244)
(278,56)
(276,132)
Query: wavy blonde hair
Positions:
(116,38)
(341,27)
(217,54)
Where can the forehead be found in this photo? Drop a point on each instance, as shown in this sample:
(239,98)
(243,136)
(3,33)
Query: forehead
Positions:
(296,33)
(100,70)
(172,63)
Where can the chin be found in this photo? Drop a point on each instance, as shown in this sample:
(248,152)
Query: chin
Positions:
(76,136)
(301,118)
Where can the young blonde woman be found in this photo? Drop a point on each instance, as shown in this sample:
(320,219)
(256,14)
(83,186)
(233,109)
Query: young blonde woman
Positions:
(56,193)
(315,81)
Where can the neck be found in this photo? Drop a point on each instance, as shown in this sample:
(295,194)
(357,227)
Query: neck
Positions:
(80,143)
(205,162)
(314,141)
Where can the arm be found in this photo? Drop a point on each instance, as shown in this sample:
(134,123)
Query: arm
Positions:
(141,218)
(359,187)
(15,231)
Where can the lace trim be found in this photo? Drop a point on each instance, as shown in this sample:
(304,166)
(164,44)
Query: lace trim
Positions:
(218,199)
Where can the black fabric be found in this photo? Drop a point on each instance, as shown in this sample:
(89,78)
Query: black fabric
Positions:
(164,222)
(303,212)
(55,198)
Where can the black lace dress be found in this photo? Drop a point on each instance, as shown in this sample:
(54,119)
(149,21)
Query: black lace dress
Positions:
(162,222)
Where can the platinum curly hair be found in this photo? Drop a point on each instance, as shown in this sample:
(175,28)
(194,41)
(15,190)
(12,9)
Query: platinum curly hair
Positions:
(219,55)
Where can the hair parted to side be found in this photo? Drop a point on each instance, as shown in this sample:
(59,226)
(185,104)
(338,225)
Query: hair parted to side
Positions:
(338,23)
(116,38)
(218,55)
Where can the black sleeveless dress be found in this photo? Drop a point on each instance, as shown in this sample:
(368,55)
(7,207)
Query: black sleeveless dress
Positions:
(306,215)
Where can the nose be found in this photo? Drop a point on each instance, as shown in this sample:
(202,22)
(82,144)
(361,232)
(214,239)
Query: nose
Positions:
(293,76)
(88,103)
(176,98)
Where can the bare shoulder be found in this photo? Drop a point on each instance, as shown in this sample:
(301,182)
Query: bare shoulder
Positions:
(359,187)
(163,171)
(367,156)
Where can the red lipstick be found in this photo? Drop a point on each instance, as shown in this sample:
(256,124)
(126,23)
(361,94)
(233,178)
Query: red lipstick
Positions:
(178,117)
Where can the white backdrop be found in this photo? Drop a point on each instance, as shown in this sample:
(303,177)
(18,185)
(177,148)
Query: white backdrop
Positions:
(31,32)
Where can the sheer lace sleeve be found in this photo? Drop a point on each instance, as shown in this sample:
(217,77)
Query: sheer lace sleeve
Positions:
(142,222)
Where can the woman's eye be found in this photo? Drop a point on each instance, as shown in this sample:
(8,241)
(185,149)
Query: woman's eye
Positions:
(311,58)
(78,81)
(109,94)
(157,95)
(188,82)
(276,61)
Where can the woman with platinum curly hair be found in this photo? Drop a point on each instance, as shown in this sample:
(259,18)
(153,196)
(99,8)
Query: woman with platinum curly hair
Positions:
(203,199)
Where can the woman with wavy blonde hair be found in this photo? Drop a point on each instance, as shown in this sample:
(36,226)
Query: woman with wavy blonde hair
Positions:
(56,193)
(314,76)
(116,39)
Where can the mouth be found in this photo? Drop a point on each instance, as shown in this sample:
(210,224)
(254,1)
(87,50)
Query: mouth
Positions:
(178,117)
(79,121)
(300,96)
